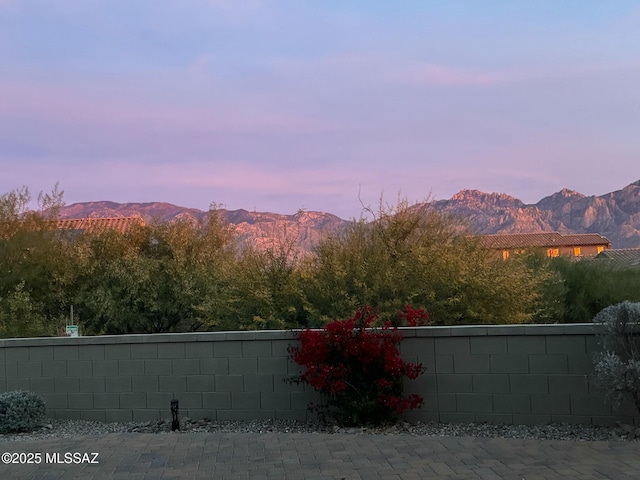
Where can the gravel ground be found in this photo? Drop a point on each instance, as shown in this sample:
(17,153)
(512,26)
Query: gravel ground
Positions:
(74,428)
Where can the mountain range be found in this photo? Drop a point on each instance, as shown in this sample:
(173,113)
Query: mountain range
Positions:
(615,215)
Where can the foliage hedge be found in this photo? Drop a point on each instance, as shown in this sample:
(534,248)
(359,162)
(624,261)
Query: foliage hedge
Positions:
(184,276)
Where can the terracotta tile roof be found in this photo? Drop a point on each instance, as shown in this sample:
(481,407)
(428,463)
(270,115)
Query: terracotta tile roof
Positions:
(625,256)
(544,239)
(121,224)
(579,239)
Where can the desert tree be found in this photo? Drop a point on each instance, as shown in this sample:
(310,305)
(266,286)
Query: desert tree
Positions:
(37,264)
(158,277)
(411,254)
(267,283)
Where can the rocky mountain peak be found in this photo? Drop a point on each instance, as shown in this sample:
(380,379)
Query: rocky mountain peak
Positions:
(568,193)
(559,199)
(495,199)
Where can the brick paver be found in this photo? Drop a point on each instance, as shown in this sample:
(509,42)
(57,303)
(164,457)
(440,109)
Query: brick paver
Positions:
(137,456)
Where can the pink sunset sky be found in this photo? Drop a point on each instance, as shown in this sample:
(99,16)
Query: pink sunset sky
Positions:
(277,105)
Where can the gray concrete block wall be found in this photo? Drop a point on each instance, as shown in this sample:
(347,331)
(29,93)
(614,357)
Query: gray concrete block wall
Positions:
(503,374)
(231,375)
(511,374)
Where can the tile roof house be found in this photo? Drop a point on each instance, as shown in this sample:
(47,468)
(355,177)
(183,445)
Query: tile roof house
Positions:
(555,244)
(624,257)
(79,225)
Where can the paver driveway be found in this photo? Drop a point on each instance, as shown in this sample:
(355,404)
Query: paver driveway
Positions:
(320,456)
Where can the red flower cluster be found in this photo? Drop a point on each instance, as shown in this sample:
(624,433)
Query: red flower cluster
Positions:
(417,317)
(358,367)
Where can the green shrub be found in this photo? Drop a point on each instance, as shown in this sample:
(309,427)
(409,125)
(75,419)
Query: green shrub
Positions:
(21,411)
(617,366)
(591,285)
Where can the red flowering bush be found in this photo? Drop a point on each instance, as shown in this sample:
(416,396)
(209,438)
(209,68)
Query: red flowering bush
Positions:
(414,317)
(358,368)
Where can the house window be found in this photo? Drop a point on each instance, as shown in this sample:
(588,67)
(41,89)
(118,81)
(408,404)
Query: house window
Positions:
(553,252)
(505,254)
(577,252)
(600,248)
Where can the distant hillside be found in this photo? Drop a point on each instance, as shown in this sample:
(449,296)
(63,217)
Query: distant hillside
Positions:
(615,215)
(262,229)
